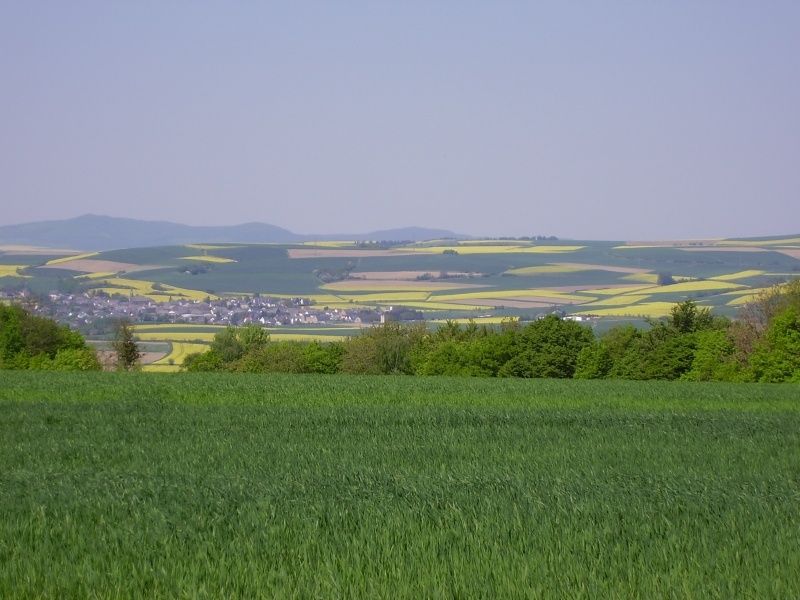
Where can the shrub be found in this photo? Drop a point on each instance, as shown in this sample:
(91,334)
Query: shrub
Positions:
(31,342)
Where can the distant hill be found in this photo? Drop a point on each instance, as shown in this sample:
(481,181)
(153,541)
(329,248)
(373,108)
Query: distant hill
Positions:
(96,232)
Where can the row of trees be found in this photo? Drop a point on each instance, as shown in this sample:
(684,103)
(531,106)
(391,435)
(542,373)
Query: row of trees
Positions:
(692,344)
(763,344)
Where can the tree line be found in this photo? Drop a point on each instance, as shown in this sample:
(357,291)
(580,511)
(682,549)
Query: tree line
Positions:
(763,344)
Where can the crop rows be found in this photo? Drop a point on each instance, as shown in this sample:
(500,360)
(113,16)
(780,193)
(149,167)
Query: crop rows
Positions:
(221,486)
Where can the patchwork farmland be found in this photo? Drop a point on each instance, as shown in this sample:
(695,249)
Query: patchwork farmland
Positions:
(473,278)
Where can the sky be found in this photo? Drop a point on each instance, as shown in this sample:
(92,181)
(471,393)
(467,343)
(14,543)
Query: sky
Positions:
(587,120)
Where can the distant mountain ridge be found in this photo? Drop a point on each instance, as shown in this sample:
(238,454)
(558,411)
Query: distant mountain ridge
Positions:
(97,232)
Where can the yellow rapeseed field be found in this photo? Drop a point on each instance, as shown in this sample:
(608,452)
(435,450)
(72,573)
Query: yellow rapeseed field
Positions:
(209,259)
(694,286)
(316,298)
(64,259)
(202,338)
(739,275)
(119,285)
(499,294)
(621,300)
(544,269)
(98,275)
(11,271)
(210,247)
(154,368)
(354,285)
(613,291)
(777,242)
(411,296)
(433,305)
(179,352)
(645,309)
(642,277)
(747,291)
(743,299)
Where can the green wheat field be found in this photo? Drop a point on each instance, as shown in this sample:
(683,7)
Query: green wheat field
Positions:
(211,486)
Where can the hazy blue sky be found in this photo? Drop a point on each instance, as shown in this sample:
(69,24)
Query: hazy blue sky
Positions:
(604,119)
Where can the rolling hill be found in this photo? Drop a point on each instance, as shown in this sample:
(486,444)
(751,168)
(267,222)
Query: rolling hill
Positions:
(456,278)
(97,232)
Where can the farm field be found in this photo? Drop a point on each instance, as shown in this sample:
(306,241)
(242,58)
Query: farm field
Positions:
(185,339)
(440,278)
(11,270)
(302,486)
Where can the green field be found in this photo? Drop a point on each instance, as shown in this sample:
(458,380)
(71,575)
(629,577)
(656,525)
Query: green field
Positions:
(137,485)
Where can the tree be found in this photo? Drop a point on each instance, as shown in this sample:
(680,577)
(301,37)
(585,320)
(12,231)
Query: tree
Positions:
(383,349)
(31,342)
(777,355)
(594,362)
(226,345)
(324,357)
(686,317)
(548,347)
(125,346)
(232,343)
(713,358)
(665,279)
(252,337)
(755,317)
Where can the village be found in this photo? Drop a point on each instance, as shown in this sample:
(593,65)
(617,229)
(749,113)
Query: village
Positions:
(92,312)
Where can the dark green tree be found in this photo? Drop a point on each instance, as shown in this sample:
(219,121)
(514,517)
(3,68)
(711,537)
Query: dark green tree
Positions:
(384,349)
(232,343)
(125,346)
(324,358)
(276,357)
(714,358)
(28,341)
(687,317)
(227,346)
(548,347)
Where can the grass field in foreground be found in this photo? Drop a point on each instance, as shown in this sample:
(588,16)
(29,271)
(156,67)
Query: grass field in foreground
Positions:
(191,485)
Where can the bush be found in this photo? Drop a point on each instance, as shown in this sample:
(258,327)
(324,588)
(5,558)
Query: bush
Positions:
(275,357)
(31,342)
(76,359)
(204,362)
